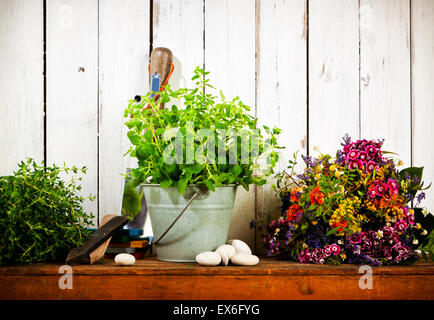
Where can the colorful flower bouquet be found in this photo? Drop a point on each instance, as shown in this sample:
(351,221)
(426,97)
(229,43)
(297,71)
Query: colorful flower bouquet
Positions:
(356,208)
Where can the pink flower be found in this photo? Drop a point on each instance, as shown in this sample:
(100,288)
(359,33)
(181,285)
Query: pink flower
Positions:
(381,188)
(304,256)
(392,184)
(411,219)
(400,225)
(355,164)
(363,156)
(335,249)
(394,192)
(372,193)
(354,154)
(370,166)
(371,150)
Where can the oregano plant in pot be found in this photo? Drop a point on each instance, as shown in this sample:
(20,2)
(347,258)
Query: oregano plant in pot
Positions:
(200,141)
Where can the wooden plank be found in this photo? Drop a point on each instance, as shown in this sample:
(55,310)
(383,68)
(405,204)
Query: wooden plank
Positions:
(243,287)
(72,89)
(124,29)
(21,83)
(281,86)
(422,38)
(266,266)
(230,57)
(152,279)
(178,25)
(385,74)
(333,73)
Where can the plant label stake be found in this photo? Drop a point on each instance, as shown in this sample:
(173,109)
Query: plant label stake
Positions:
(155,84)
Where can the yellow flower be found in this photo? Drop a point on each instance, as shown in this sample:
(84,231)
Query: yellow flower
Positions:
(343,256)
(400,163)
(418,226)
(317,177)
(337,174)
(332,168)
(314,222)
(318,168)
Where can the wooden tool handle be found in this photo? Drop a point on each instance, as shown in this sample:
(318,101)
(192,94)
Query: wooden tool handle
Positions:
(161,63)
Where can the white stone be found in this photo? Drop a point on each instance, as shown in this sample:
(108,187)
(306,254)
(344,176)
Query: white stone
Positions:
(245,259)
(227,252)
(240,246)
(222,252)
(208,258)
(125,259)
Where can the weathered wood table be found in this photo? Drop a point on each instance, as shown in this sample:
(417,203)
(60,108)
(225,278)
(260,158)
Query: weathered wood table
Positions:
(270,279)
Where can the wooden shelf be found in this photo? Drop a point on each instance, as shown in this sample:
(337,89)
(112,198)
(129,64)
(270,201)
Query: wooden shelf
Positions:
(270,279)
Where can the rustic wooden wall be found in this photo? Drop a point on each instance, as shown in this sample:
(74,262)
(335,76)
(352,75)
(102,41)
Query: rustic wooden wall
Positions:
(315,68)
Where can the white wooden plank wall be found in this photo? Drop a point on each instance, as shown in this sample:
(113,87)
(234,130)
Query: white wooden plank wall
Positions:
(21,83)
(333,73)
(385,103)
(232,72)
(123,73)
(422,85)
(72,89)
(315,68)
(281,86)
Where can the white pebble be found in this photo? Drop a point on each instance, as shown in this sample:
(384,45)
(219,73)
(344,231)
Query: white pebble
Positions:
(240,246)
(227,252)
(125,259)
(208,258)
(245,260)
(222,252)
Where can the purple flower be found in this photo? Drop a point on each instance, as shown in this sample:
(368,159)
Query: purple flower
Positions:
(420,197)
(356,238)
(252,224)
(346,140)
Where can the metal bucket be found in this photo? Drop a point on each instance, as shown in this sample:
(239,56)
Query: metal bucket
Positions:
(203,227)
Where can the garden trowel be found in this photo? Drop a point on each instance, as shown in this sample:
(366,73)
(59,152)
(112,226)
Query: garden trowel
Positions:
(160,69)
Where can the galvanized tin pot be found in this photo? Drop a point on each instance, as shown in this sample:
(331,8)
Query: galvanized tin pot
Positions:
(203,227)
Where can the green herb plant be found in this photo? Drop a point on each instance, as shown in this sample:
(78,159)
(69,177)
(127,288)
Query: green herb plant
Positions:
(41,215)
(210,160)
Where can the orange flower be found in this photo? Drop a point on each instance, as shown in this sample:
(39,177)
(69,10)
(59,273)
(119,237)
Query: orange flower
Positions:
(339,223)
(293,196)
(316,196)
(293,213)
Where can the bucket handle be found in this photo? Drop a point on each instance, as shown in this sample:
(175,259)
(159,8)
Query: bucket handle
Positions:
(179,216)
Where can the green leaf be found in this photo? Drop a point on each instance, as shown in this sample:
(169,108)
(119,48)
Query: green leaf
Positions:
(209,185)
(134,138)
(331,231)
(182,185)
(236,170)
(412,171)
(166,183)
(148,135)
